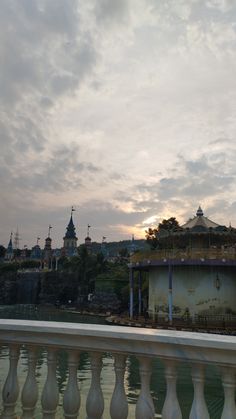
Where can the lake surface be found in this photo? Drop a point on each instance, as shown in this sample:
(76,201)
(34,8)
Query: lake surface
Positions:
(214,393)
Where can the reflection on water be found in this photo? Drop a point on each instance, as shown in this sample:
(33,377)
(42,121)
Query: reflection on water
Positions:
(214,393)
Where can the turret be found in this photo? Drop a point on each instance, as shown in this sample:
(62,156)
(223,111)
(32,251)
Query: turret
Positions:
(70,239)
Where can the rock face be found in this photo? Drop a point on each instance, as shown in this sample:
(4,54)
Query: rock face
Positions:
(38,288)
(28,286)
(58,288)
(105,301)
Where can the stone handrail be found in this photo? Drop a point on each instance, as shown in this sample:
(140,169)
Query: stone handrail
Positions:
(198,349)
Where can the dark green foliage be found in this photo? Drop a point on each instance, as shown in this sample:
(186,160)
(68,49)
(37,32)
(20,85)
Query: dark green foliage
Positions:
(165,230)
(169,225)
(9,267)
(30,264)
(151,237)
(2,251)
(124,253)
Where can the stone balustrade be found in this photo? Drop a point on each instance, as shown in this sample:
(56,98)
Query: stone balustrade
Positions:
(171,347)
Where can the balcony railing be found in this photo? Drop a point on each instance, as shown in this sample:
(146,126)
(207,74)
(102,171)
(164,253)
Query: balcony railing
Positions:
(188,254)
(171,347)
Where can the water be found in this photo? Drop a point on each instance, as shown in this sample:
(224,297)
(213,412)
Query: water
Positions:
(214,392)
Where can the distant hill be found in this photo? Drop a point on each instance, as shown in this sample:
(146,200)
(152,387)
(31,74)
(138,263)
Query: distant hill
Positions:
(112,249)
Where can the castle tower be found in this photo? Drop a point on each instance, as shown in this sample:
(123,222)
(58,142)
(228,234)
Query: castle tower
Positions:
(9,253)
(47,252)
(70,239)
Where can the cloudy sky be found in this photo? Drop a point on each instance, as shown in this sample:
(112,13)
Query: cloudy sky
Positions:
(125,109)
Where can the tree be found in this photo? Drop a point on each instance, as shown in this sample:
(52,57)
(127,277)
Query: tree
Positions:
(151,237)
(164,231)
(170,225)
(2,251)
(123,252)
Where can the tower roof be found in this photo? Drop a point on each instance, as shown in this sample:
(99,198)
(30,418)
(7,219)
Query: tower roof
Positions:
(70,230)
(10,246)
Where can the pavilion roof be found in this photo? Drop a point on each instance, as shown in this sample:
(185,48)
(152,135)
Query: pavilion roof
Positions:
(200,222)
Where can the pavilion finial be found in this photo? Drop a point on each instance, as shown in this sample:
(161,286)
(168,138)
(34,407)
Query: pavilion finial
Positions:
(199,212)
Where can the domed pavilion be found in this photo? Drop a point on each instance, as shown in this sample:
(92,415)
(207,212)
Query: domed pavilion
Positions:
(191,273)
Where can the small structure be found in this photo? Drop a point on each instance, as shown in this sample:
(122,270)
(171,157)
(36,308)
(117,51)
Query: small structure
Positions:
(192,273)
(70,239)
(87,240)
(47,252)
(104,249)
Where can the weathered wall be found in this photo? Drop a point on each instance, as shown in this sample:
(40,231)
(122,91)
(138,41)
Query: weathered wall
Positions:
(194,288)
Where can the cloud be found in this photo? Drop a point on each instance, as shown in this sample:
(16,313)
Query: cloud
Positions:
(114,12)
(127,103)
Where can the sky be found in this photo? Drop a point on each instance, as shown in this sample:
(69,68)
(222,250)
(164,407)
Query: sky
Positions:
(125,109)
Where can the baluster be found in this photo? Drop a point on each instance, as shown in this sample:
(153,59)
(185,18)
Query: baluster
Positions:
(171,408)
(119,404)
(145,407)
(71,402)
(11,387)
(228,381)
(95,402)
(50,393)
(199,408)
(29,395)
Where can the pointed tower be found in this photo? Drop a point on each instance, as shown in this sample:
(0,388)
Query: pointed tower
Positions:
(9,253)
(70,239)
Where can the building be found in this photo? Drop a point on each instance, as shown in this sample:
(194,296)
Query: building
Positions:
(193,275)
(36,252)
(70,239)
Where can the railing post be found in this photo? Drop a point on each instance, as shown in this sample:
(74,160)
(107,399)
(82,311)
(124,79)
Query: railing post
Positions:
(229,381)
(171,408)
(131,293)
(50,393)
(170,294)
(145,407)
(71,402)
(139,293)
(29,394)
(119,404)
(95,402)
(199,408)
(11,387)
